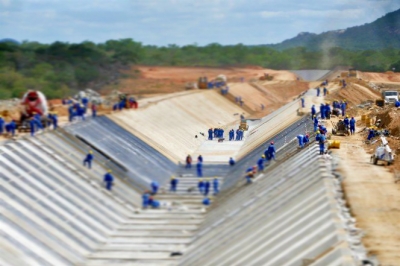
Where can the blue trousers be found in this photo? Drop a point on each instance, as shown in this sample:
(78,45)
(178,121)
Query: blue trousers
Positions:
(199,172)
(89,162)
(108,185)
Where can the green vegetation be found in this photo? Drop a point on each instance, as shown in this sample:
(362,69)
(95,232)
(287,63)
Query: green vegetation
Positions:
(59,69)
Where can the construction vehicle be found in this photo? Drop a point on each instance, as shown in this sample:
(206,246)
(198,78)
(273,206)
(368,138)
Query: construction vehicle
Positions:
(202,83)
(32,103)
(243,125)
(383,153)
(339,128)
(352,72)
(390,96)
(266,76)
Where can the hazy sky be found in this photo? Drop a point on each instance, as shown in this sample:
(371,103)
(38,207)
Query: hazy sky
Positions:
(162,22)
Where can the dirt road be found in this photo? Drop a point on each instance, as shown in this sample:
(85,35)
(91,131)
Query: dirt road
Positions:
(374,199)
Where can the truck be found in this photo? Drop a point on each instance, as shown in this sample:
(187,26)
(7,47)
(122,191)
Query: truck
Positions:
(390,96)
(33,102)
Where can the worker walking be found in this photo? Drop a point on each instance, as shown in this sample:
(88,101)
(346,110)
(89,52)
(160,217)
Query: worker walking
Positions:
(318,91)
(200,185)
(199,168)
(188,161)
(346,122)
(325,91)
(302,103)
(154,187)
(174,183)
(271,151)
(260,163)
(216,185)
(206,187)
(88,160)
(108,180)
(231,161)
(210,134)
(352,125)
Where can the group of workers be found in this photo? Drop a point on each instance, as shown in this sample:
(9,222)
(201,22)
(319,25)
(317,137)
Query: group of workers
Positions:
(267,156)
(124,103)
(325,91)
(108,179)
(9,128)
(35,122)
(219,134)
(199,165)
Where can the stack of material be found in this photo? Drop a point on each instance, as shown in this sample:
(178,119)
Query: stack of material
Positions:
(93,96)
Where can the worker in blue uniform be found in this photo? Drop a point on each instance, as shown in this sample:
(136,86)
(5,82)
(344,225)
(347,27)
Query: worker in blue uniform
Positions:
(71,113)
(315,123)
(346,122)
(206,201)
(154,187)
(313,111)
(2,123)
(145,199)
(371,134)
(231,161)
(210,134)
(300,139)
(199,167)
(328,111)
(249,175)
(206,187)
(322,140)
(216,185)
(11,127)
(200,158)
(32,125)
(54,120)
(318,91)
(85,101)
(352,125)
(271,151)
(325,91)
(317,136)
(173,184)
(88,160)
(49,119)
(306,139)
(302,103)
(108,180)
(322,111)
(343,108)
(200,185)
(260,163)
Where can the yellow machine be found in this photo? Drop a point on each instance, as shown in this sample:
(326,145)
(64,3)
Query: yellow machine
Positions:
(266,76)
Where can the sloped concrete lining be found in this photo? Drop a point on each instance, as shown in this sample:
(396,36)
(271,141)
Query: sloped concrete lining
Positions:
(311,74)
(143,162)
(287,217)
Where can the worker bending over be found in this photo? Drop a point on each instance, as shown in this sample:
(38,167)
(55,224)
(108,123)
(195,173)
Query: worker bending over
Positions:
(154,187)
(174,183)
(260,163)
(108,180)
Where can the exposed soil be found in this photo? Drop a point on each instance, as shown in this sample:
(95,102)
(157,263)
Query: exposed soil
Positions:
(387,77)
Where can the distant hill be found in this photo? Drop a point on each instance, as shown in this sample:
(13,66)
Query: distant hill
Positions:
(9,41)
(382,33)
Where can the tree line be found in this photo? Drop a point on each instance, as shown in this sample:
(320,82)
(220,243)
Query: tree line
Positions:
(59,69)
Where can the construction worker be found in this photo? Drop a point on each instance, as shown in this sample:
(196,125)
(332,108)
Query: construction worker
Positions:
(1,125)
(231,161)
(313,111)
(89,158)
(32,125)
(300,139)
(260,163)
(188,161)
(318,91)
(346,122)
(199,168)
(94,110)
(352,125)
(371,134)
(38,120)
(49,119)
(54,120)
(154,187)
(271,151)
(328,111)
(108,180)
(343,108)
(322,111)
(397,103)
(206,201)
(81,111)
(145,199)
(322,140)
(200,158)
(317,136)
(249,175)
(11,127)
(174,183)
(85,101)
(71,113)
(315,123)
(206,187)
(200,185)
(216,185)
(306,139)
(325,91)
(302,103)
(210,134)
